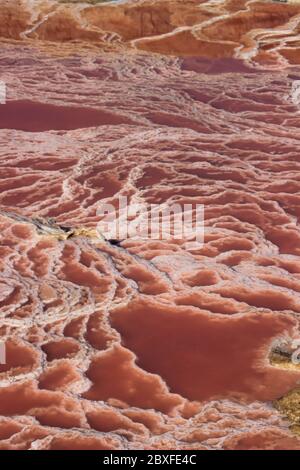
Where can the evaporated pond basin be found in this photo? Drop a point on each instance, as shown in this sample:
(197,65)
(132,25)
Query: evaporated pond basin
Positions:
(33,116)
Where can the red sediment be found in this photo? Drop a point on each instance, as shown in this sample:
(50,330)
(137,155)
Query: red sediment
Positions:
(39,117)
(203,358)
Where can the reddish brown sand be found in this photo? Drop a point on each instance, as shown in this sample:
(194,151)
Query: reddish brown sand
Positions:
(148,344)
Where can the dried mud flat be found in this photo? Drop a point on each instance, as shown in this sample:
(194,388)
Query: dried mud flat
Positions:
(148,344)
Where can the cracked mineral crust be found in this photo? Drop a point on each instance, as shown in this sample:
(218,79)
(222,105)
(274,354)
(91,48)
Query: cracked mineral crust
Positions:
(143,343)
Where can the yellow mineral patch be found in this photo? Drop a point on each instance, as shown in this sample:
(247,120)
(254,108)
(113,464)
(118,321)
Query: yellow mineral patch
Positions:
(282,361)
(64,234)
(289,405)
(86,232)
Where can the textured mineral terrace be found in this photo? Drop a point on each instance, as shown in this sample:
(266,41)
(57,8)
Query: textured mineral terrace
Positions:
(149,344)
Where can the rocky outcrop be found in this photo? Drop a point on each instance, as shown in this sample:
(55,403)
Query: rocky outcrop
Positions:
(262,32)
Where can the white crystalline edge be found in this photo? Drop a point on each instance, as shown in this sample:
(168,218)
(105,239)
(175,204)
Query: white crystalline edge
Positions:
(295,93)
